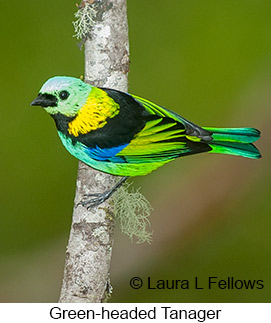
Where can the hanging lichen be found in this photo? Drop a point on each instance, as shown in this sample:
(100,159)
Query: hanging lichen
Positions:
(132,210)
(84,22)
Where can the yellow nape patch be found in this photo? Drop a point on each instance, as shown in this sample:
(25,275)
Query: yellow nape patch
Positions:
(94,113)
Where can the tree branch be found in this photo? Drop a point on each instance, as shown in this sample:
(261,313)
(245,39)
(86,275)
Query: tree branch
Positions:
(88,255)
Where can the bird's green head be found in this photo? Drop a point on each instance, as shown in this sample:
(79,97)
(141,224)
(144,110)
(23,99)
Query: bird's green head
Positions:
(62,94)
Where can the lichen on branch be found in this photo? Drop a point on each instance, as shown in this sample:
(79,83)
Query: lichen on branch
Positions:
(85,18)
(133,210)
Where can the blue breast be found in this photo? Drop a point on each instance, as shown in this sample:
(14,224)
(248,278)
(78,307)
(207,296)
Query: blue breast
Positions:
(104,154)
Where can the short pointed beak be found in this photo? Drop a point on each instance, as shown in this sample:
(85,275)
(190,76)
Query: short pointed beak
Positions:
(45,100)
(37,101)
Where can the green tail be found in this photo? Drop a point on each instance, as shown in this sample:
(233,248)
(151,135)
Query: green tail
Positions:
(235,141)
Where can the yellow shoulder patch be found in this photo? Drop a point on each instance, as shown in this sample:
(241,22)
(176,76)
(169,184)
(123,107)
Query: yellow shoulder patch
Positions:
(94,113)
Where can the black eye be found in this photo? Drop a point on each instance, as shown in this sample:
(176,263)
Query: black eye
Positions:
(64,95)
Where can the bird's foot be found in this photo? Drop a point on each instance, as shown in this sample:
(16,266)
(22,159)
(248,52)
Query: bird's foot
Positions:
(94,199)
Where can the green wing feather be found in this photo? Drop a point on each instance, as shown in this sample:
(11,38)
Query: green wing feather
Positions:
(157,141)
(234,141)
(193,131)
(162,139)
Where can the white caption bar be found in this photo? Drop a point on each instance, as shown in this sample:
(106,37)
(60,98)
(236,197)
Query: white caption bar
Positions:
(131,312)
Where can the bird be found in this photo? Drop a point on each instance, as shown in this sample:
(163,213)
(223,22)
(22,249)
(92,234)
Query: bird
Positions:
(125,135)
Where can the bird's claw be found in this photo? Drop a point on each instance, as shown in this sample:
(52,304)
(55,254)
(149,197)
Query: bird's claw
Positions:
(94,199)
(99,198)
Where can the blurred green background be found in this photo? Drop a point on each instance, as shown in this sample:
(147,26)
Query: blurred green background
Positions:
(207,60)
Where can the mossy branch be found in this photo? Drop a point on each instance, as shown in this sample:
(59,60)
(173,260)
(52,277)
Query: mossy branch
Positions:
(88,255)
